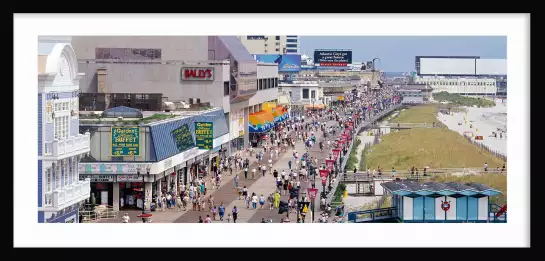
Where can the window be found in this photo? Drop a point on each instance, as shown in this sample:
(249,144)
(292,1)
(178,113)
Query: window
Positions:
(61,110)
(58,176)
(277,49)
(291,50)
(290,94)
(255,37)
(65,172)
(226,88)
(48,180)
(305,93)
(277,38)
(61,127)
(291,45)
(277,44)
(313,94)
(127,53)
(75,174)
(291,40)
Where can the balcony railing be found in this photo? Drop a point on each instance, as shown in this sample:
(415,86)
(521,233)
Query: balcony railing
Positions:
(66,147)
(69,195)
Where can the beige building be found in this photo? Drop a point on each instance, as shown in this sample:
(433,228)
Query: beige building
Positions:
(271,44)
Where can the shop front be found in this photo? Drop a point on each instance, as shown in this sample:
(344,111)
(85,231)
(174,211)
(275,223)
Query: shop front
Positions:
(259,124)
(101,187)
(131,191)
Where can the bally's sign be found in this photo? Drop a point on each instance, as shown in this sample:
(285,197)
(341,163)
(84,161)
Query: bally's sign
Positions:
(197,73)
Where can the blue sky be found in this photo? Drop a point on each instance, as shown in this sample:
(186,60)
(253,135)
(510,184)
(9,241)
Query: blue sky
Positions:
(397,53)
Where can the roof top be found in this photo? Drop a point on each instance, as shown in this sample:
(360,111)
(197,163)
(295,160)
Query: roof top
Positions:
(406,187)
(122,111)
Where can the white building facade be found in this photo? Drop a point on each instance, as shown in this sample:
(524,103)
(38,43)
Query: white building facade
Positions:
(462,85)
(60,145)
(271,44)
(303,92)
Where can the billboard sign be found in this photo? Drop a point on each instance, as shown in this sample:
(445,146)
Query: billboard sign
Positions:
(286,62)
(204,135)
(183,138)
(125,141)
(332,57)
(197,73)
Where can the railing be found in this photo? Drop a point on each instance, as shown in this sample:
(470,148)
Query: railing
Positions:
(493,210)
(60,148)
(371,215)
(487,148)
(357,130)
(69,195)
(407,174)
(411,125)
(97,213)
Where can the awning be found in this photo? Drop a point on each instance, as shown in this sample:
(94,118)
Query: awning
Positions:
(280,114)
(260,121)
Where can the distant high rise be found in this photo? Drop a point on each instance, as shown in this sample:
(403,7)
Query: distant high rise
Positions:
(271,44)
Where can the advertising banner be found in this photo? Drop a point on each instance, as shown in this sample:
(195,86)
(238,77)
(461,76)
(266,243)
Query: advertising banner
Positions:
(112,168)
(129,178)
(336,153)
(286,62)
(330,164)
(312,192)
(183,138)
(97,178)
(323,175)
(332,57)
(125,141)
(204,135)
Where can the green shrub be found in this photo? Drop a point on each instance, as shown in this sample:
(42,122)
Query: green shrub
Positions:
(458,99)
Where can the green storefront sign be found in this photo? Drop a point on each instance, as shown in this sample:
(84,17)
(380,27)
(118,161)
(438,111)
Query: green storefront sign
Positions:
(183,138)
(204,135)
(125,141)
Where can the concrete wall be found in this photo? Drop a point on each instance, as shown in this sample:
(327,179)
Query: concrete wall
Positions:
(187,48)
(156,78)
(267,71)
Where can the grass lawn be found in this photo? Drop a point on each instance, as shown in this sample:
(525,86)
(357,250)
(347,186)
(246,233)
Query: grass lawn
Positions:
(493,180)
(433,147)
(418,114)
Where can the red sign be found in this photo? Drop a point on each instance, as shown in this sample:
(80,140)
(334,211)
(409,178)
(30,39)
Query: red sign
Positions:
(333,64)
(330,164)
(336,153)
(324,180)
(312,192)
(324,173)
(198,74)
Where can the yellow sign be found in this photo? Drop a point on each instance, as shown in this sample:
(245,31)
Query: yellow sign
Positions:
(305,209)
(340,98)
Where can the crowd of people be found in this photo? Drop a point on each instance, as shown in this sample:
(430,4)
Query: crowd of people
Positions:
(311,129)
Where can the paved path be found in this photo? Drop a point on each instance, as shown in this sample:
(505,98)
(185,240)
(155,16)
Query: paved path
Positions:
(267,188)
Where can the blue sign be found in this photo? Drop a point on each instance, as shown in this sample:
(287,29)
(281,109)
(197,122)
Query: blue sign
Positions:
(286,62)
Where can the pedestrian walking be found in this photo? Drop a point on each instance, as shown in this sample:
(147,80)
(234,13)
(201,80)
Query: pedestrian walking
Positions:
(245,172)
(253,173)
(236,181)
(261,201)
(221,211)
(254,201)
(235,214)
